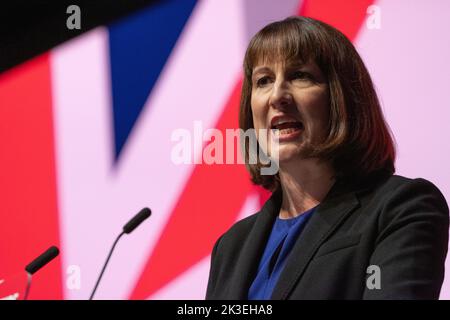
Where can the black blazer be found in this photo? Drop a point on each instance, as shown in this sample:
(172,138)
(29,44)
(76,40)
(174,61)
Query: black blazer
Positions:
(398,224)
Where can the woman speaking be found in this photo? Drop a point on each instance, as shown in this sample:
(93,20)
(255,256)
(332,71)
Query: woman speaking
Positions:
(339,223)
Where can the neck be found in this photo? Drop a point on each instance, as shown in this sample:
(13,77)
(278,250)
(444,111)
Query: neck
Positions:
(304,185)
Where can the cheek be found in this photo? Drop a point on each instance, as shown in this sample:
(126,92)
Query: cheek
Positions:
(259,113)
(316,109)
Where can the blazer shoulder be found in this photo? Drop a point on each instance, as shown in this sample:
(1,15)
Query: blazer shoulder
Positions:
(407,197)
(399,185)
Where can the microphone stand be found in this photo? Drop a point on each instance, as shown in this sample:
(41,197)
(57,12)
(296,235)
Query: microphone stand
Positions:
(106,263)
(27,289)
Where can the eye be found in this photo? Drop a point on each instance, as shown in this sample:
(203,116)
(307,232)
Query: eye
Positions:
(261,82)
(301,75)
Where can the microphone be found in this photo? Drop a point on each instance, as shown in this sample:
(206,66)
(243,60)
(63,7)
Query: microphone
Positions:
(37,264)
(127,229)
(42,260)
(136,220)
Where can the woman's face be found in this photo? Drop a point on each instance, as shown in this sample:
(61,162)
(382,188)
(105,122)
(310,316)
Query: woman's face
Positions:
(294,99)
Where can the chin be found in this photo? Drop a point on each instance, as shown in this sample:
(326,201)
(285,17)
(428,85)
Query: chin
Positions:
(288,153)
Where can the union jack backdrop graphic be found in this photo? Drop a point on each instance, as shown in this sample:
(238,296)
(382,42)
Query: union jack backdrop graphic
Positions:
(86,136)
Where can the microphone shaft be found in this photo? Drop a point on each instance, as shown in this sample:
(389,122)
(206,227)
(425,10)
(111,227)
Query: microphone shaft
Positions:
(104,266)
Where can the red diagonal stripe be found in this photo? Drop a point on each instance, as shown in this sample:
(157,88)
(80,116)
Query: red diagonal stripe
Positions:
(29,217)
(347,16)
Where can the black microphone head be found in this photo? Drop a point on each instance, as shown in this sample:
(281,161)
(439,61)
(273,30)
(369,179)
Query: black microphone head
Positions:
(137,220)
(42,260)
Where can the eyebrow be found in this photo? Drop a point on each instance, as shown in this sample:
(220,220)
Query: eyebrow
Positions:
(289,66)
(261,69)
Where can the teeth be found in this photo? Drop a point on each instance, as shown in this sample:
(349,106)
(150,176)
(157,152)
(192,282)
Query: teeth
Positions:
(285,131)
(283,121)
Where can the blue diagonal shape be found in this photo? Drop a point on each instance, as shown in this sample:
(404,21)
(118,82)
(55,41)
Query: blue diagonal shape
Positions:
(139,47)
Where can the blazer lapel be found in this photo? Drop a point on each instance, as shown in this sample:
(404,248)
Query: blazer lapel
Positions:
(328,215)
(253,248)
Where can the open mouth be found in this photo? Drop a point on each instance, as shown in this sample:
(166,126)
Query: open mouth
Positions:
(286,128)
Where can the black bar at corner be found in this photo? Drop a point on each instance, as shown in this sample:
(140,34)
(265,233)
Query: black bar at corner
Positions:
(196,309)
(31,27)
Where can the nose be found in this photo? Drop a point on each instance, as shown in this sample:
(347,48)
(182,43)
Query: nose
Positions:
(281,97)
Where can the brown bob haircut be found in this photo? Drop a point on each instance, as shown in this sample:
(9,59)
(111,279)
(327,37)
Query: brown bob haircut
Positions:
(358,141)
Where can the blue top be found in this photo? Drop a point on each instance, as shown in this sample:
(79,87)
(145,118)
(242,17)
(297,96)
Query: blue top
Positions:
(281,241)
